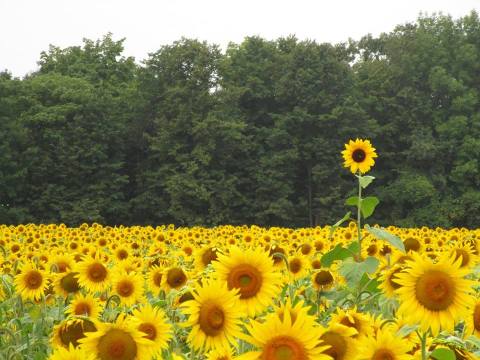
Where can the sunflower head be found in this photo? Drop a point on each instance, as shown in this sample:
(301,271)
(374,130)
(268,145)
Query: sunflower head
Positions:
(120,340)
(69,332)
(152,322)
(359,155)
(436,295)
(213,316)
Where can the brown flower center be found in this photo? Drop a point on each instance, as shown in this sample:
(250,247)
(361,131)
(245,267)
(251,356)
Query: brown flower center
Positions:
(117,345)
(185,297)
(283,348)
(383,354)
(62,266)
(323,278)
(211,318)
(97,272)
(338,345)
(208,256)
(435,290)
(69,283)
(372,250)
(277,259)
(411,244)
(157,278)
(306,249)
(176,278)
(71,333)
(33,279)
(295,265)
(122,254)
(359,155)
(149,329)
(246,278)
(82,308)
(125,288)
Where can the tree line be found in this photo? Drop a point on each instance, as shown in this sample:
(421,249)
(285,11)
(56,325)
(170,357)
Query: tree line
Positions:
(253,134)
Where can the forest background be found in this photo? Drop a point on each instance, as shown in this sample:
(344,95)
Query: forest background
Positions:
(252,135)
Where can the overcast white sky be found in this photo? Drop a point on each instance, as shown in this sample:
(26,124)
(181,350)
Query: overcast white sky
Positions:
(28,26)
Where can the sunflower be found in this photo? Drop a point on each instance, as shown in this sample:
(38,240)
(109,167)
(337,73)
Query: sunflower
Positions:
(465,251)
(61,263)
(155,275)
(434,295)
(252,272)
(84,305)
(388,281)
(280,339)
(297,311)
(174,277)
(385,345)
(297,266)
(472,321)
(213,316)
(220,354)
(354,319)
(151,321)
(128,287)
(339,338)
(117,341)
(66,283)
(323,279)
(411,243)
(204,257)
(31,283)
(93,275)
(70,331)
(359,156)
(71,353)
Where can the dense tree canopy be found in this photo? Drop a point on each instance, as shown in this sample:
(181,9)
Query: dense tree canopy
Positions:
(194,135)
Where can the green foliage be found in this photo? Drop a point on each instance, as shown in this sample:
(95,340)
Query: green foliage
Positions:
(443,354)
(382,234)
(252,135)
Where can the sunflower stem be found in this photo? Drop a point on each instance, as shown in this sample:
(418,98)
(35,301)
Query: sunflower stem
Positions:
(359,219)
(423,344)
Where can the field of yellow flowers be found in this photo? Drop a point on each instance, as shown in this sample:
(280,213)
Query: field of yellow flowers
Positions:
(346,291)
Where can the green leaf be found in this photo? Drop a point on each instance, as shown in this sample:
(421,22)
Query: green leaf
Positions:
(353,271)
(382,234)
(443,354)
(368,206)
(353,247)
(337,253)
(475,341)
(339,222)
(406,330)
(369,284)
(370,264)
(342,220)
(35,312)
(352,201)
(365,180)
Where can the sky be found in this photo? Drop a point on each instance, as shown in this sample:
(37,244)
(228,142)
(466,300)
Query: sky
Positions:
(28,27)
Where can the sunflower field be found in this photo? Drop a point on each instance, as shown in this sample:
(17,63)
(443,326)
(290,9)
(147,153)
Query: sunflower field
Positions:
(344,291)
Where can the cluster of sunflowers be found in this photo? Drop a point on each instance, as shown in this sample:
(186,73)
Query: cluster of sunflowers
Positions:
(240,292)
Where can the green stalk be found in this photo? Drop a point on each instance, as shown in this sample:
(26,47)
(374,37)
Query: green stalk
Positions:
(423,344)
(359,219)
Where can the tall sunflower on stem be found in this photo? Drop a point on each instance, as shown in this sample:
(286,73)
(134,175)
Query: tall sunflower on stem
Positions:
(359,156)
